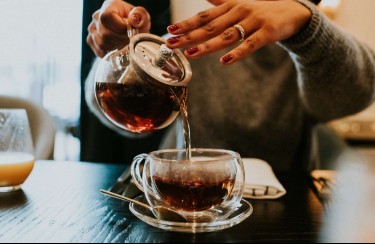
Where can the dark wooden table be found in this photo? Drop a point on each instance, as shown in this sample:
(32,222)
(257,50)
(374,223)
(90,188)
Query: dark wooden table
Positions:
(61,202)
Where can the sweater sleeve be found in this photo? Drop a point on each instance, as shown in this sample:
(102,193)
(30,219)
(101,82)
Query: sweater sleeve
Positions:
(336,72)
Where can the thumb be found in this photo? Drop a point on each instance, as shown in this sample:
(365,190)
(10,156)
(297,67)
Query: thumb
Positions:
(112,14)
(140,18)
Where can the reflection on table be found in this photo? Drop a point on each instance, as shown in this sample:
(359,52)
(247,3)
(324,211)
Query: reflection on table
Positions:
(351,217)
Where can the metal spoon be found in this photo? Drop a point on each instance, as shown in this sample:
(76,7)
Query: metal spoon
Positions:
(163,213)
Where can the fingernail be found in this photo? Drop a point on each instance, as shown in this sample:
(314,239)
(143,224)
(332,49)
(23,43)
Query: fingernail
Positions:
(192,50)
(228,58)
(173,40)
(172,28)
(136,18)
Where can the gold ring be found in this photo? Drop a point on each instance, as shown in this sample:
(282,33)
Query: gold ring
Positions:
(241,31)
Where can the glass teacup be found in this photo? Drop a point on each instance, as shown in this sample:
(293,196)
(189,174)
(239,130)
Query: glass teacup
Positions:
(16,149)
(206,188)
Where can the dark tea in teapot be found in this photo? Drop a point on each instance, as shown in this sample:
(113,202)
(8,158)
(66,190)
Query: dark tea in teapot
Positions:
(139,107)
(141,87)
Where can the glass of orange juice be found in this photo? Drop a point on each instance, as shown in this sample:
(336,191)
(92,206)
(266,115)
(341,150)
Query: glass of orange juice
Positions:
(16,149)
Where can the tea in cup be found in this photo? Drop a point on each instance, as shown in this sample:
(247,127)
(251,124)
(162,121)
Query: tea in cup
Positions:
(16,149)
(205,186)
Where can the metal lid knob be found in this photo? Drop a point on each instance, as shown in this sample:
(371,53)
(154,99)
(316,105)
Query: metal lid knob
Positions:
(163,56)
(155,62)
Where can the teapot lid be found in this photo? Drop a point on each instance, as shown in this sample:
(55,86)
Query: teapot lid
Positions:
(150,59)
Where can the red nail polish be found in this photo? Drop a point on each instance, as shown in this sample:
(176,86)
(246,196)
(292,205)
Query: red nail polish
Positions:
(172,28)
(228,58)
(192,50)
(173,40)
(136,18)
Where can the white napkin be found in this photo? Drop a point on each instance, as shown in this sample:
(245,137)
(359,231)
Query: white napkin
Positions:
(260,180)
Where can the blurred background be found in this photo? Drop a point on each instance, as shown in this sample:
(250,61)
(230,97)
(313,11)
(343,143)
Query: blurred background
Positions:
(40,59)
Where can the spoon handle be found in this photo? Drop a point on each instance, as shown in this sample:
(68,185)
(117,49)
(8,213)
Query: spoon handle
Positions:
(108,193)
(122,181)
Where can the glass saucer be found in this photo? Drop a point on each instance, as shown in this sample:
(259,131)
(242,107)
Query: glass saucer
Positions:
(241,213)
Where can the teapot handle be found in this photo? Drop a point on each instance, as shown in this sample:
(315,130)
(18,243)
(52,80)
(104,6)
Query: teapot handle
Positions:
(131,31)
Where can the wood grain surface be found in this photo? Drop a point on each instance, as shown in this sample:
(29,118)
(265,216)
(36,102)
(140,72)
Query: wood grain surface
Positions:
(61,202)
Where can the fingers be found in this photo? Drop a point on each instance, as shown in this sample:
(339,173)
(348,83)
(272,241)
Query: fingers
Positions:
(108,29)
(111,15)
(202,19)
(228,37)
(100,39)
(139,18)
(93,45)
(257,23)
(97,52)
(217,2)
(92,32)
(248,46)
(214,36)
(215,28)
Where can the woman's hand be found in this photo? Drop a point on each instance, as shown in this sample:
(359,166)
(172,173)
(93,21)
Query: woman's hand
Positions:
(262,23)
(109,25)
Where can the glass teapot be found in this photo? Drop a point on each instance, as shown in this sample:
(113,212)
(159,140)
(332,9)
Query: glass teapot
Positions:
(140,87)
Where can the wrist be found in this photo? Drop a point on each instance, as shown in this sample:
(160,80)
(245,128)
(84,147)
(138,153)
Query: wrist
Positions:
(306,34)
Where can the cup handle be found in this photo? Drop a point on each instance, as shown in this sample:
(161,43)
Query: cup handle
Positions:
(136,170)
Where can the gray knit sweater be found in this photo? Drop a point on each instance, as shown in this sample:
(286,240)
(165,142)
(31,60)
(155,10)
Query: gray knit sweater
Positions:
(267,105)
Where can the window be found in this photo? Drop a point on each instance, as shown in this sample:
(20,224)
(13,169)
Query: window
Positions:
(40,59)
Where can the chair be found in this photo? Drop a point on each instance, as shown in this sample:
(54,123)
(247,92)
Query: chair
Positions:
(42,126)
